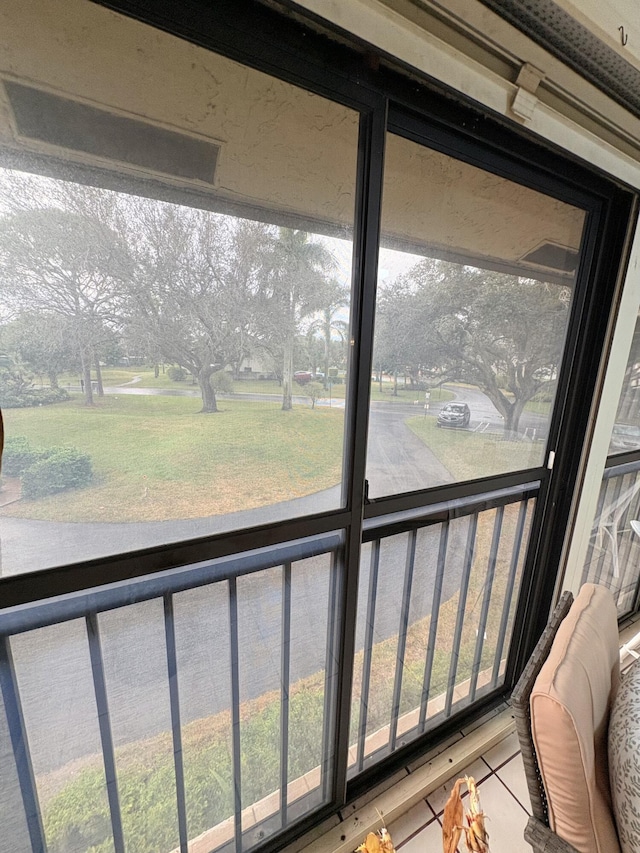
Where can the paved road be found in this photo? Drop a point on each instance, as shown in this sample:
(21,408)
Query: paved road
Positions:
(54,671)
(53,664)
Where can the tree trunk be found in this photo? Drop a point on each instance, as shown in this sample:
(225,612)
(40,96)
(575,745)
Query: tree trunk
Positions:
(209,403)
(86,380)
(156,370)
(395,383)
(327,344)
(287,376)
(99,378)
(53,380)
(512,418)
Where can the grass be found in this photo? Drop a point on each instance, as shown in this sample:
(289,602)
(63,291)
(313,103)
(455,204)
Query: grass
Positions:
(158,458)
(76,814)
(539,407)
(468,455)
(408,395)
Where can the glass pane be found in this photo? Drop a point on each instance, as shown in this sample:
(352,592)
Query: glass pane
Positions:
(137,685)
(175,347)
(15,830)
(626,430)
(283,633)
(203,658)
(113,724)
(474,293)
(435,617)
(56,691)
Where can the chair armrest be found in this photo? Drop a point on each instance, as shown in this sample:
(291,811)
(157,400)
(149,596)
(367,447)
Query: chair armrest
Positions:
(544,840)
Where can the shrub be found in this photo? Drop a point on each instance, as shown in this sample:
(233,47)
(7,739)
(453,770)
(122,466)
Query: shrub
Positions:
(31,397)
(62,468)
(176,373)
(314,390)
(19,455)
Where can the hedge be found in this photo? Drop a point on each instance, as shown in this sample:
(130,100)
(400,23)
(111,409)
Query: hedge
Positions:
(32,397)
(19,455)
(62,468)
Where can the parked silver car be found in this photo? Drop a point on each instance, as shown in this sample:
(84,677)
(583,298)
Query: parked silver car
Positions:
(454,415)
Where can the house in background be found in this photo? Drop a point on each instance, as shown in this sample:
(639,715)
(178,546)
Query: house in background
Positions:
(247,622)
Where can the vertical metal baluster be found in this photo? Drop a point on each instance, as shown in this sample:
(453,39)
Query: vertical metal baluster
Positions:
(108,754)
(484,612)
(587,574)
(402,633)
(284,694)
(330,676)
(176,730)
(235,712)
(433,626)
(368,649)
(20,746)
(508,594)
(462,603)
(607,544)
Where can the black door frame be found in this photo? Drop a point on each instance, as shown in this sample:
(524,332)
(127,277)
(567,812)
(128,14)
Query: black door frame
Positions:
(386,98)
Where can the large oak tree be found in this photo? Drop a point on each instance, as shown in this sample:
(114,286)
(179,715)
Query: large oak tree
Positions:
(501,332)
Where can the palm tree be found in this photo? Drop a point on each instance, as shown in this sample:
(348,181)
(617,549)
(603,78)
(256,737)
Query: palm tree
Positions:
(336,297)
(296,289)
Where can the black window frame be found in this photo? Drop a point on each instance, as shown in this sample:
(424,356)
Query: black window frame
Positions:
(341,68)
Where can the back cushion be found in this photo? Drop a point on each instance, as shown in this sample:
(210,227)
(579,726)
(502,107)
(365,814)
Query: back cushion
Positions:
(624,759)
(570,706)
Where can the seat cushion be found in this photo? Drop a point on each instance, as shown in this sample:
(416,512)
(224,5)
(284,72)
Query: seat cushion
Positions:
(570,708)
(624,759)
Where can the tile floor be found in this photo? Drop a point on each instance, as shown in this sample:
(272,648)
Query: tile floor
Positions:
(499,776)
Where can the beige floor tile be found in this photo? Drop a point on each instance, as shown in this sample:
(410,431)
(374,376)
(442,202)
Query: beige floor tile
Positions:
(410,822)
(427,841)
(512,774)
(440,796)
(503,751)
(506,819)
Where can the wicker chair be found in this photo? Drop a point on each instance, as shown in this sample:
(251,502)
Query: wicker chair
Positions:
(538,833)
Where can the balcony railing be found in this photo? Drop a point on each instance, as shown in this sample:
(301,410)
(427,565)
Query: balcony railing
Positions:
(613,556)
(242,611)
(437,600)
(196,709)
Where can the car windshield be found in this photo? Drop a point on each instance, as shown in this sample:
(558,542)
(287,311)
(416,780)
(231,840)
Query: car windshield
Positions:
(455,408)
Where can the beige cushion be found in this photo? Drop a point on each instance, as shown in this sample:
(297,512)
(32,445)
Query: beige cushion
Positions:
(570,706)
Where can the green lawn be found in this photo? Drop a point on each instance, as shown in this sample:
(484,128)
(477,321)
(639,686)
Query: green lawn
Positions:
(468,455)
(540,407)
(408,395)
(143,377)
(159,458)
